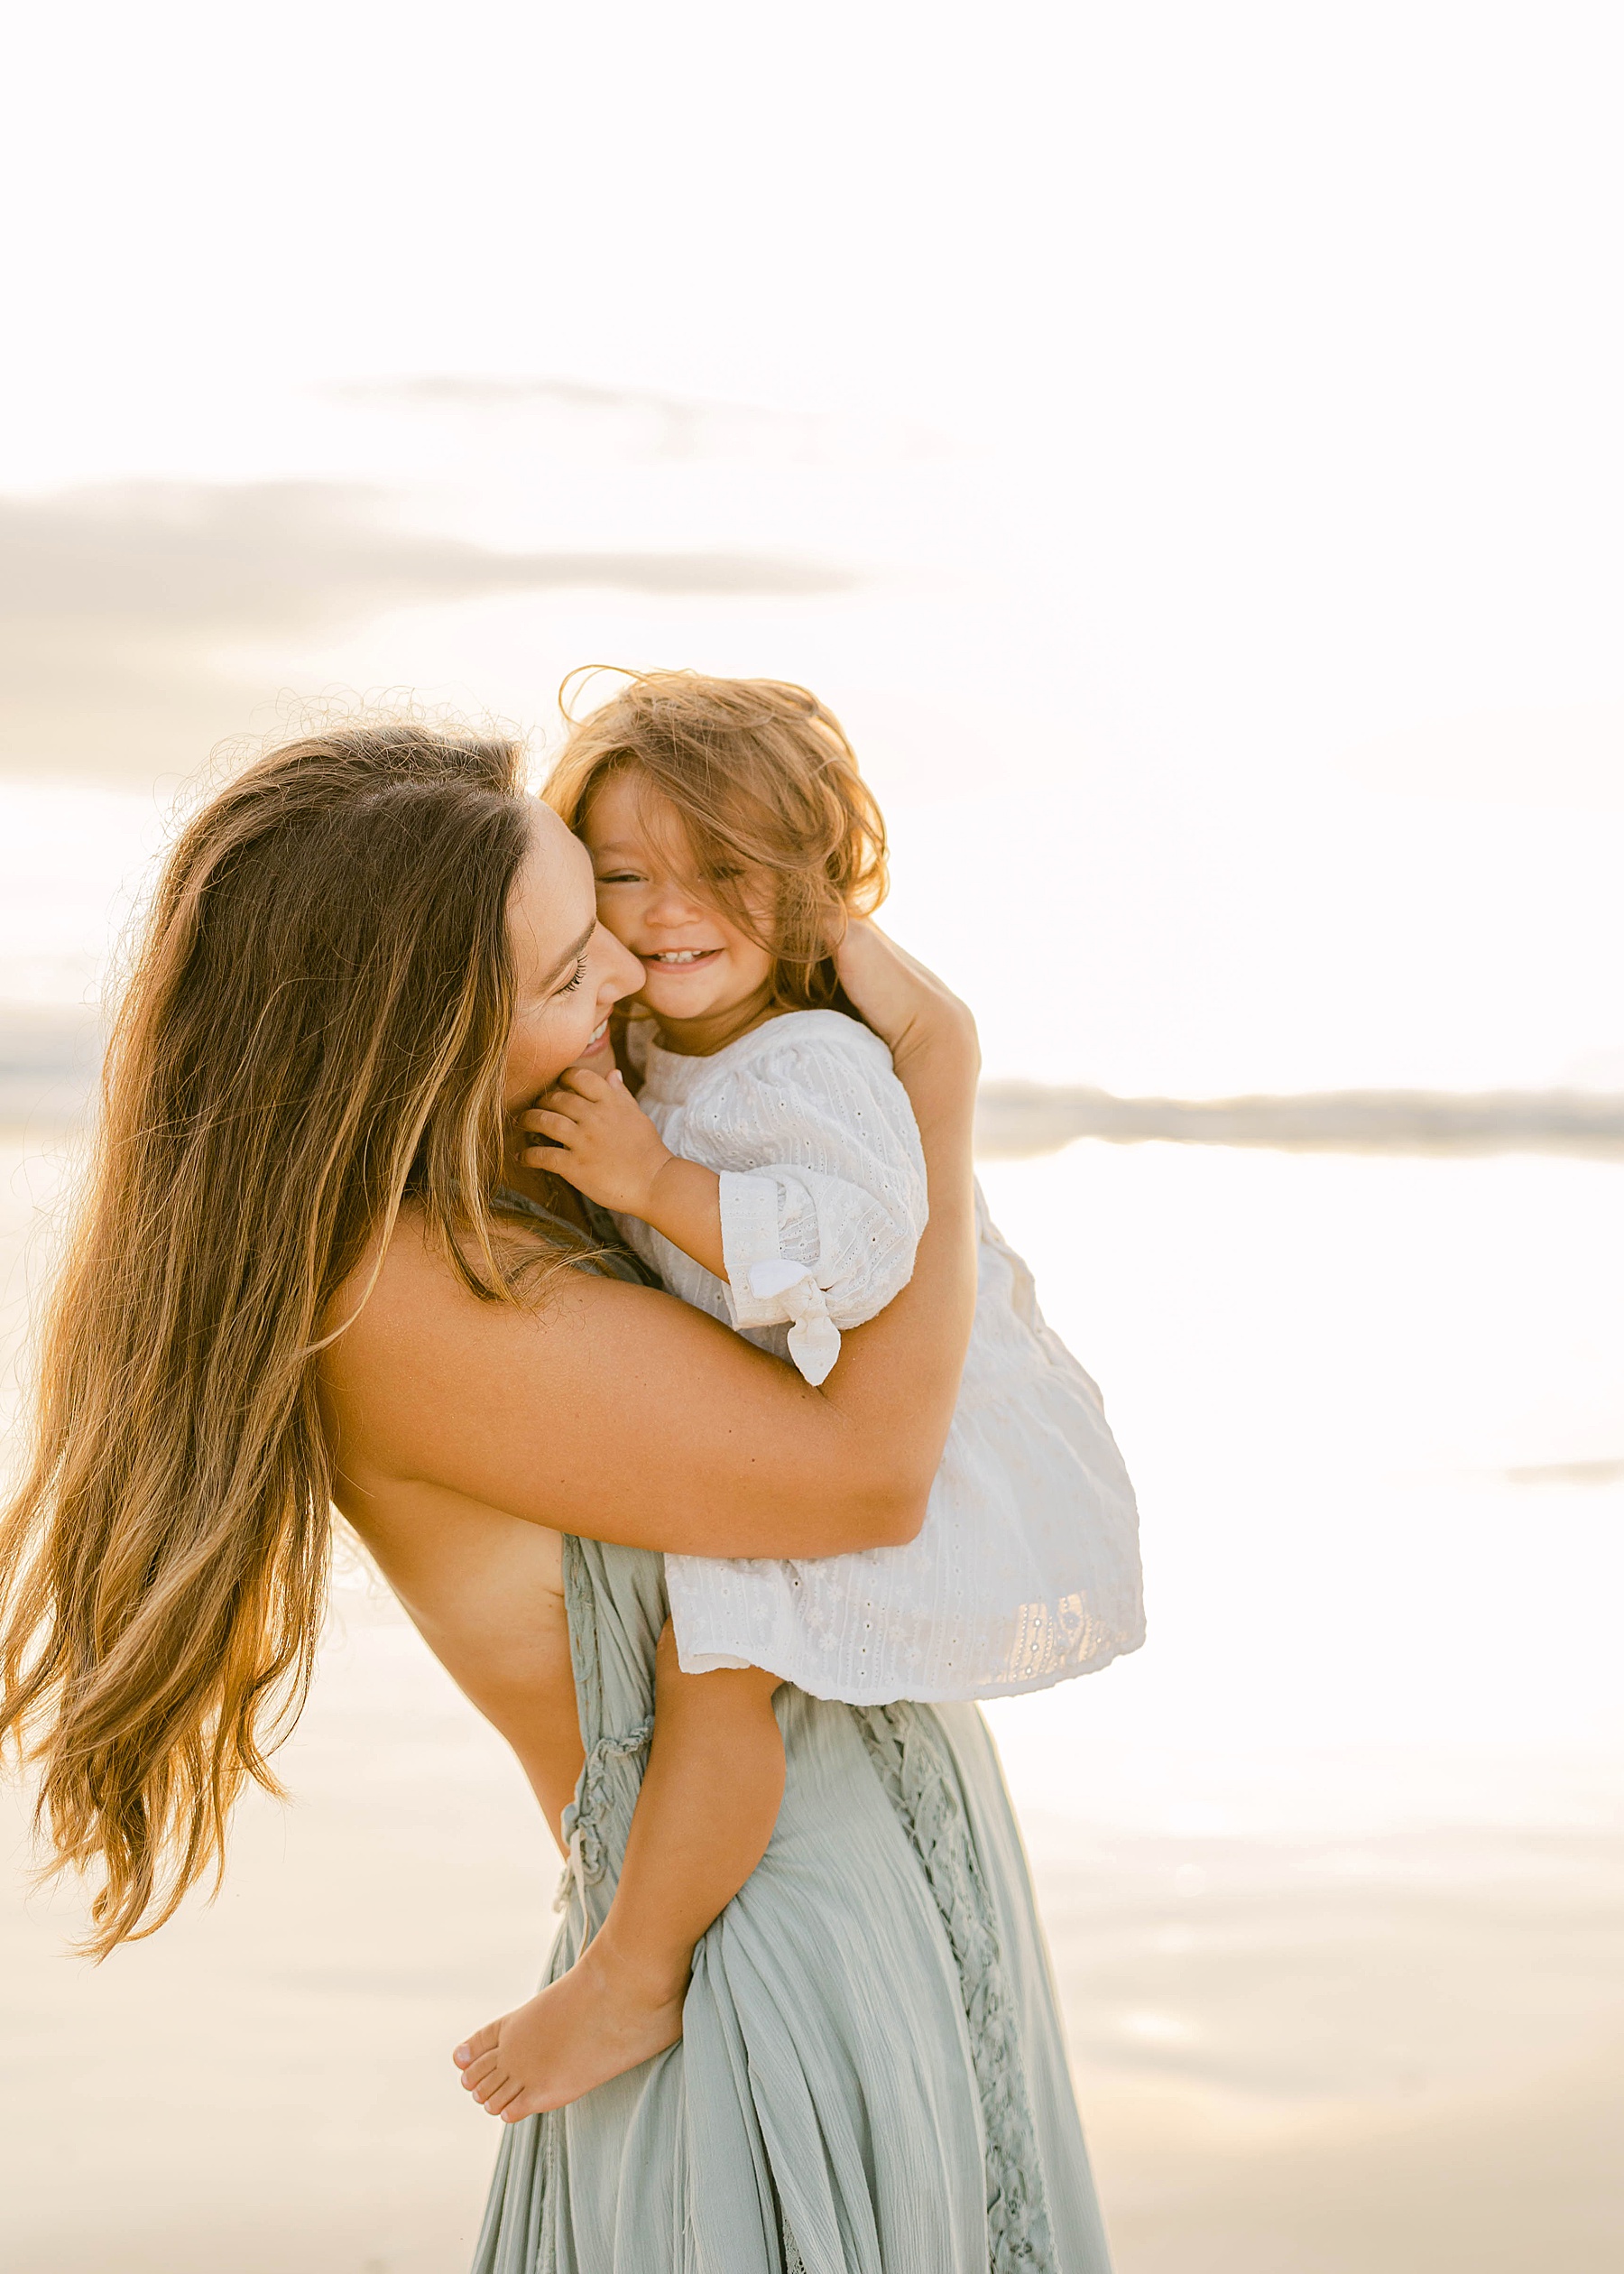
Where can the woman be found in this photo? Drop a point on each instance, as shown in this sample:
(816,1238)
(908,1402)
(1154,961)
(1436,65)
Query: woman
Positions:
(315,1265)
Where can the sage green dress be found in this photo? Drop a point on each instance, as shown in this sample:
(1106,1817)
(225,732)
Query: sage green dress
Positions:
(871,2078)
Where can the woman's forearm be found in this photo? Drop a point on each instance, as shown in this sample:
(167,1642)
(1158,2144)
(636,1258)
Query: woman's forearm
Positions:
(898,1378)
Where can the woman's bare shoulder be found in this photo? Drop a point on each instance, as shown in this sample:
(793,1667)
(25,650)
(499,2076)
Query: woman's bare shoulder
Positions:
(404,1289)
(409,1343)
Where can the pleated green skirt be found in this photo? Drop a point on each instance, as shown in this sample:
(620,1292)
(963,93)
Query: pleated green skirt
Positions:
(872,2078)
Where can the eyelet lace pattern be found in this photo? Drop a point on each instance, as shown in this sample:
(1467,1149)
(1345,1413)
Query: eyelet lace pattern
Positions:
(1027,1569)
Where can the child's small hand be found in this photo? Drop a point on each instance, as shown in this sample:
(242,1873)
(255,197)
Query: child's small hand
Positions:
(604,1143)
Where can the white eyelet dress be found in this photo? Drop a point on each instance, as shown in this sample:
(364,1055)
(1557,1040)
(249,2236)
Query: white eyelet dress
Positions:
(1026,1571)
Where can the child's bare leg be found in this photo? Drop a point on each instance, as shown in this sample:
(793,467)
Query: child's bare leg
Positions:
(710,1798)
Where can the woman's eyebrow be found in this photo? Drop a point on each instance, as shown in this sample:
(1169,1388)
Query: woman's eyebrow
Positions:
(570,955)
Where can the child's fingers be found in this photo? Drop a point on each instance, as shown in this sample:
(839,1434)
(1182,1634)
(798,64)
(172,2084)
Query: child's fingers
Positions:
(584,1082)
(557,1126)
(556,1161)
(558,1103)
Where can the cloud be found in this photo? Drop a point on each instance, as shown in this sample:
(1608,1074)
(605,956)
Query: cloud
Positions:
(640,422)
(123,611)
(454,390)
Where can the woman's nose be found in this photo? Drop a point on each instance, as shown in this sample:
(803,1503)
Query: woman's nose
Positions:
(624,976)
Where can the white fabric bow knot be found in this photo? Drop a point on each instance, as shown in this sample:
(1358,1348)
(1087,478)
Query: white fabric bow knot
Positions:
(814,1338)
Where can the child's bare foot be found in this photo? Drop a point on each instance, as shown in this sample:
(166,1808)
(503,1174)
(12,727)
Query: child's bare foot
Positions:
(593,2023)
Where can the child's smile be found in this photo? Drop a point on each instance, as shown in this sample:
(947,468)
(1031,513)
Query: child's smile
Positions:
(673,958)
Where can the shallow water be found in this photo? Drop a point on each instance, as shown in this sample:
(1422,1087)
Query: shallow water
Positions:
(1331,1870)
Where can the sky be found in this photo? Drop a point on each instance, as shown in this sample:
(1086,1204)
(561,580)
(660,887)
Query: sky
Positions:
(1181,443)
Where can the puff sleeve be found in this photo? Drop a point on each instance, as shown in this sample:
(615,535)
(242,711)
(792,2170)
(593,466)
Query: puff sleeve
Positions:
(823,1233)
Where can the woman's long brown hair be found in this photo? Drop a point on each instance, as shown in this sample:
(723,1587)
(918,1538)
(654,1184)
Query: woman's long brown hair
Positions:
(315,1029)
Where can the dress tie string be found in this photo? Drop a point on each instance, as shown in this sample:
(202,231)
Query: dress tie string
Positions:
(814,1338)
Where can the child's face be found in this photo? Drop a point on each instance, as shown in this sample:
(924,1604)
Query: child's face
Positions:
(697,962)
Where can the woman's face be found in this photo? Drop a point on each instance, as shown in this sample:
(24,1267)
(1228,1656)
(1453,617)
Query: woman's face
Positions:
(568,972)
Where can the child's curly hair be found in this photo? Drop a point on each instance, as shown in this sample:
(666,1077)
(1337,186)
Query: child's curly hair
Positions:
(763,782)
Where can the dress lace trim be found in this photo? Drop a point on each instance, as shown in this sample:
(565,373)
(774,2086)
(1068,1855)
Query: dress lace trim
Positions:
(582,1818)
(583,1821)
(916,1768)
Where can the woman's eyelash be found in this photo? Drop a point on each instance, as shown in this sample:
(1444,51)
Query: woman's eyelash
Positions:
(570,986)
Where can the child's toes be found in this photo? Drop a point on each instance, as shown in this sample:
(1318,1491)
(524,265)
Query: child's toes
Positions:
(482,2042)
(495,2101)
(479,2073)
(497,2083)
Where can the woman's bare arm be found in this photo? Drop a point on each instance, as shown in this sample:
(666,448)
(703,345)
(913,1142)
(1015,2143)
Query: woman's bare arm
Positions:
(618,1413)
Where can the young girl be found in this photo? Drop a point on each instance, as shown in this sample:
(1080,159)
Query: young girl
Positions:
(770,1169)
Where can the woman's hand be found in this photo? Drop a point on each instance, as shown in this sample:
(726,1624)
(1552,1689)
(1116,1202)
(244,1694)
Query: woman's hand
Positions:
(907,1005)
(933,1044)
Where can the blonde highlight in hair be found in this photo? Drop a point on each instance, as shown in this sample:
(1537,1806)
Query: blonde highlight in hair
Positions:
(765,785)
(315,1031)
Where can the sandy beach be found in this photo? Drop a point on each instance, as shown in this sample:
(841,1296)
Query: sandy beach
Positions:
(1332,1873)
(1296,2054)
